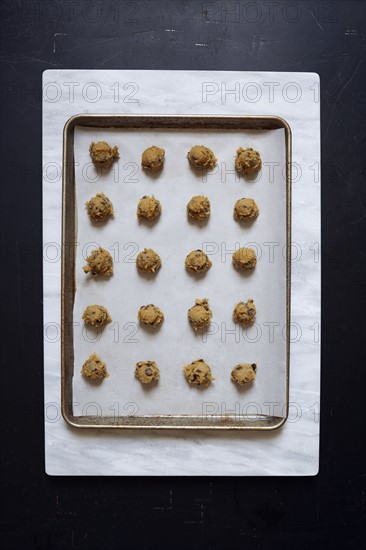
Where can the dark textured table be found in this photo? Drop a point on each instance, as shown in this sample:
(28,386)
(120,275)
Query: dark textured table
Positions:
(109,513)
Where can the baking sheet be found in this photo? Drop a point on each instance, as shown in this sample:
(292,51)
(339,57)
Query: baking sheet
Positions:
(122,343)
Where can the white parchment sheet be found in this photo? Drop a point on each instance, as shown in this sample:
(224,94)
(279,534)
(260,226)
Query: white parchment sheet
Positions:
(122,343)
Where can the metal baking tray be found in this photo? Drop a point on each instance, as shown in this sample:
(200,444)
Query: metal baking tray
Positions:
(69,237)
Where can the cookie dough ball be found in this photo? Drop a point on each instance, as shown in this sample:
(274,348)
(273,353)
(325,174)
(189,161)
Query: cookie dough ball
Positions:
(97,316)
(244,373)
(198,373)
(244,313)
(99,263)
(198,208)
(200,314)
(148,208)
(197,261)
(148,261)
(102,154)
(201,157)
(244,258)
(147,371)
(99,208)
(94,368)
(150,315)
(246,209)
(152,159)
(247,161)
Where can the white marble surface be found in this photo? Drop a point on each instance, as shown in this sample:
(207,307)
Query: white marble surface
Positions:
(292,450)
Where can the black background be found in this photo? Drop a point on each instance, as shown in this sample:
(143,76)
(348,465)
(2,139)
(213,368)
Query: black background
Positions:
(41,512)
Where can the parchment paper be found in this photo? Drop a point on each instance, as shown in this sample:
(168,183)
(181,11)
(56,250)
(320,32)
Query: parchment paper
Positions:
(122,343)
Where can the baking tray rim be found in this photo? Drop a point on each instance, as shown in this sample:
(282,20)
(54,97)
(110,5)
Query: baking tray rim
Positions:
(163,422)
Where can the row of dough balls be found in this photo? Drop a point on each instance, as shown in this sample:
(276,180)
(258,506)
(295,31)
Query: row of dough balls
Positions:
(100,262)
(199,315)
(100,208)
(247,161)
(197,373)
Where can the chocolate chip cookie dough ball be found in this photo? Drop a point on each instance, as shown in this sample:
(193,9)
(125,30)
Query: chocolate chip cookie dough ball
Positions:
(198,208)
(247,161)
(102,154)
(244,373)
(150,315)
(198,373)
(244,313)
(97,316)
(148,208)
(244,258)
(147,371)
(152,159)
(201,157)
(99,208)
(197,261)
(200,314)
(99,263)
(94,368)
(148,261)
(245,210)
